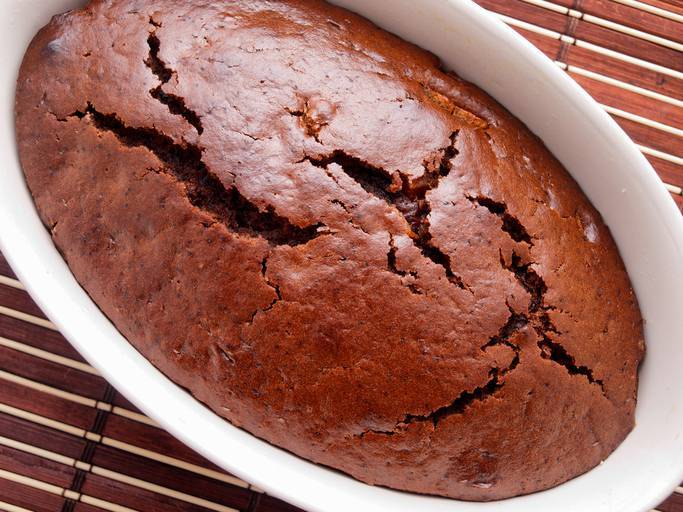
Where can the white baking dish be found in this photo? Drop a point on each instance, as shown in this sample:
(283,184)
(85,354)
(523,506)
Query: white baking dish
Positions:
(622,185)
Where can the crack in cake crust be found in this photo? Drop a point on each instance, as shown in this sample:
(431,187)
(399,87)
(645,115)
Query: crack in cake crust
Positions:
(176,105)
(274,286)
(511,225)
(204,190)
(534,284)
(514,325)
(535,316)
(408,197)
(391,266)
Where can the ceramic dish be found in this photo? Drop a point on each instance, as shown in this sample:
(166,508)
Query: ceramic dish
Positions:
(616,177)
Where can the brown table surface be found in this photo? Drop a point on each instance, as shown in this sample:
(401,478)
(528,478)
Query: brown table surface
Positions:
(70,442)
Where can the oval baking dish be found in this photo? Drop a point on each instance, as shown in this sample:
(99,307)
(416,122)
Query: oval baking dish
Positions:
(579,134)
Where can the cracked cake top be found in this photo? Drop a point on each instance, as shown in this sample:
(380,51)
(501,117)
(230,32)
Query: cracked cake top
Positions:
(332,242)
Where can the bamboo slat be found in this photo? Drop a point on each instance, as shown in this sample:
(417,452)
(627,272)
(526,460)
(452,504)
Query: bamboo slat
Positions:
(19,300)
(633,17)
(139,434)
(29,498)
(172,477)
(43,438)
(36,336)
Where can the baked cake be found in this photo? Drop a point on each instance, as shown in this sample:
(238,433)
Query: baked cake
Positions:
(332,242)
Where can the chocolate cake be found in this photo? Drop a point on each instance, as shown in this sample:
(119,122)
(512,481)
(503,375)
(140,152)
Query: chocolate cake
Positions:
(332,242)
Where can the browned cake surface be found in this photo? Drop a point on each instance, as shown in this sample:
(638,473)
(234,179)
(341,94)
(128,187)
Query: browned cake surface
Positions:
(331,242)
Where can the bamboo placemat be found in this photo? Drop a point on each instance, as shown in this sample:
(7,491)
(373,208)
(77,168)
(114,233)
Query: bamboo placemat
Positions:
(70,442)
(628,54)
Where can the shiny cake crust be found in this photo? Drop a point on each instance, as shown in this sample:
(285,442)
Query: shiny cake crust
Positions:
(331,242)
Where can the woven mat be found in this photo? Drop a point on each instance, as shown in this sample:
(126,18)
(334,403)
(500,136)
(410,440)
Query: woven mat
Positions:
(70,442)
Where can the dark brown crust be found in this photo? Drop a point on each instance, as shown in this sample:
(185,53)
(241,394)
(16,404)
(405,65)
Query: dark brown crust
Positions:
(332,243)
